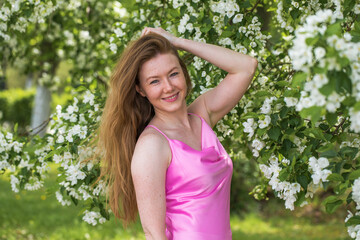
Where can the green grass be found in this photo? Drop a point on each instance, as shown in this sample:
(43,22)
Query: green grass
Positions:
(254,227)
(34,215)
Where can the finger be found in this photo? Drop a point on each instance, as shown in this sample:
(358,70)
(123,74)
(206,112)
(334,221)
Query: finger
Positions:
(146,30)
(143,32)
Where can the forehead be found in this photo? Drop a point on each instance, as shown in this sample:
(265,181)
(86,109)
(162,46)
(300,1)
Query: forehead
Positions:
(159,65)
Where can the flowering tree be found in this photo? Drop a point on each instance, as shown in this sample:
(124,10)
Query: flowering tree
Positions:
(299,119)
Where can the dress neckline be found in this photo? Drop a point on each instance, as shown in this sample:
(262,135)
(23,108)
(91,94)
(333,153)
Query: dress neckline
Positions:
(185,144)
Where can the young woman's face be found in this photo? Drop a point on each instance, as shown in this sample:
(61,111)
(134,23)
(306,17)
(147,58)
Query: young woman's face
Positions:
(162,81)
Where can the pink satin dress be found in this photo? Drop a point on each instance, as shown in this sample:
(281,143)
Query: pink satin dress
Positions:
(198,189)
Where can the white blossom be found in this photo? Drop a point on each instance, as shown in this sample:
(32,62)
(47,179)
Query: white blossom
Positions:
(238,18)
(290,101)
(319,174)
(265,122)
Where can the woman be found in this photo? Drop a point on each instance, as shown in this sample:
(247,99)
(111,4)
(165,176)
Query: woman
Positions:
(163,153)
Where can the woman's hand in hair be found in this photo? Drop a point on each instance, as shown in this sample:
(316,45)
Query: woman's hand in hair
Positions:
(172,39)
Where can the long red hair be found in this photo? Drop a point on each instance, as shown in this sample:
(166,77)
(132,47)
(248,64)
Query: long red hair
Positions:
(126,114)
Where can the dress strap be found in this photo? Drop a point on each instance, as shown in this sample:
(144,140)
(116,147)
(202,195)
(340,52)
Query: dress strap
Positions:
(196,115)
(158,131)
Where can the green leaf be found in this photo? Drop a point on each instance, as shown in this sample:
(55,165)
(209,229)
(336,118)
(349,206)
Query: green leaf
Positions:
(295,13)
(261,131)
(263,94)
(312,41)
(343,61)
(342,82)
(245,4)
(354,175)
(291,93)
(348,6)
(303,181)
(74,200)
(356,32)
(284,174)
(331,118)
(315,133)
(183,10)
(61,178)
(274,133)
(16,127)
(274,118)
(104,213)
(348,152)
(355,220)
(319,70)
(286,145)
(334,29)
(335,177)
(300,198)
(330,87)
(314,113)
(249,115)
(205,28)
(298,80)
(237,132)
(357,106)
(349,198)
(340,189)
(294,122)
(325,148)
(332,206)
(328,154)
(332,203)
(282,83)
(227,33)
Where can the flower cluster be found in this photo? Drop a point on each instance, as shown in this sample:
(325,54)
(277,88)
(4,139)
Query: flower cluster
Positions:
(8,146)
(78,166)
(305,56)
(317,167)
(285,190)
(354,230)
(41,9)
(257,145)
(93,217)
(249,127)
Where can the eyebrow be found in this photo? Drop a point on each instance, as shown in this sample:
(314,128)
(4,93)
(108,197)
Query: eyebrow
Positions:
(157,76)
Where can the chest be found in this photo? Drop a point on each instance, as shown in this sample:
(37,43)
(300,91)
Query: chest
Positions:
(191,139)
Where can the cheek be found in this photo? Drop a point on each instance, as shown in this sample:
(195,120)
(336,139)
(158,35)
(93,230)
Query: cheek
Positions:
(153,92)
(183,81)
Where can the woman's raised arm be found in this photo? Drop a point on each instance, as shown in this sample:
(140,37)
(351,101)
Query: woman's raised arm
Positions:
(217,102)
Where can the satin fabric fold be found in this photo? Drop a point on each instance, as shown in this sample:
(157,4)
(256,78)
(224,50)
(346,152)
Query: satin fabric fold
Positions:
(198,189)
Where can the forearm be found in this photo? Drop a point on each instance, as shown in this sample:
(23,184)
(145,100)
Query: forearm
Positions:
(226,59)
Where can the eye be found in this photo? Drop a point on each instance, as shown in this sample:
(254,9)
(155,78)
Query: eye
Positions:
(154,81)
(174,74)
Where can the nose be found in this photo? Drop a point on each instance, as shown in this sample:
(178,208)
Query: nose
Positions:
(168,87)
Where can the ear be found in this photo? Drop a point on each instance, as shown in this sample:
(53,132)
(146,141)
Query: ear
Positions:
(140,91)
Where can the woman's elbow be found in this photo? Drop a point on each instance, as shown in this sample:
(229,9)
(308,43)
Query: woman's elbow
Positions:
(253,65)
(151,235)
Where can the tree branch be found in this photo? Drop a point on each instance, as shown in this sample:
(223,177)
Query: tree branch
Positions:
(338,126)
(41,127)
(253,8)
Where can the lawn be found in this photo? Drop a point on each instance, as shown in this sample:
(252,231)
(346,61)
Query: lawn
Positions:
(34,215)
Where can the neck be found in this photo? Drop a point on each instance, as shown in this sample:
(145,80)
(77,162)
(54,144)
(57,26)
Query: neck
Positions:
(173,120)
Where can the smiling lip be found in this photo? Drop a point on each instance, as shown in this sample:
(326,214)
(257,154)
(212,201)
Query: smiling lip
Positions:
(171,98)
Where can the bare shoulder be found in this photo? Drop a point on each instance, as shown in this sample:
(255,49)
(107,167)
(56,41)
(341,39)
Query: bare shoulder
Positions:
(151,149)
